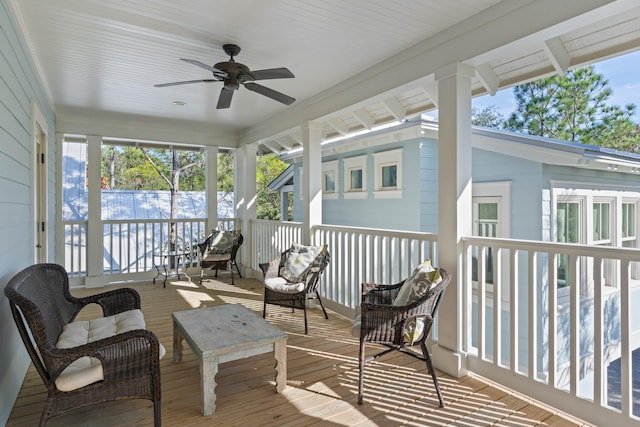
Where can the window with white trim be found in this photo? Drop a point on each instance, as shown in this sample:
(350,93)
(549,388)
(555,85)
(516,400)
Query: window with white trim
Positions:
(330,180)
(568,225)
(355,177)
(491,218)
(388,174)
(595,216)
(629,226)
(601,223)
(629,219)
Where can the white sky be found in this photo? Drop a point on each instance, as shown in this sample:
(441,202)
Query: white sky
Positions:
(623,74)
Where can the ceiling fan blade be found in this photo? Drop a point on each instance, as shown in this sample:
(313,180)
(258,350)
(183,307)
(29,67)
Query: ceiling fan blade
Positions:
(186,82)
(273,94)
(214,70)
(272,73)
(224,100)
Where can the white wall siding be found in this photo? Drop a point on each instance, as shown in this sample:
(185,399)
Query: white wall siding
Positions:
(19,85)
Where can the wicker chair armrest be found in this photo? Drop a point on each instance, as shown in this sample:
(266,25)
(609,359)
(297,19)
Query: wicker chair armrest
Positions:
(138,348)
(270,269)
(115,301)
(380,321)
(376,293)
(203,248)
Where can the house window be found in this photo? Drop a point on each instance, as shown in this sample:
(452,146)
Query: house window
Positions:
(355,173)
(568,231)
(330,188)
(629,225)
(601,223)
(485,224)
(329,182)
(355,180)
(628,233)
(490,213)
(388,174)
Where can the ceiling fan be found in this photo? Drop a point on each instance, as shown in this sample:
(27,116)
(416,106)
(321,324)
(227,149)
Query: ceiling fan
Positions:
(233,74)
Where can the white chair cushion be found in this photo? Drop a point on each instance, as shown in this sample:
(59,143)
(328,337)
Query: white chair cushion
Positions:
(217,258)
(87,370)
(280,284)
(299,260)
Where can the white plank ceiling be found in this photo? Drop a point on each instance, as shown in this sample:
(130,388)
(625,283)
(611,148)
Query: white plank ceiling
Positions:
(357,63)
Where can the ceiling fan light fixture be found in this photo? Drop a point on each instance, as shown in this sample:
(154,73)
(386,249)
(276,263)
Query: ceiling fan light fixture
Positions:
(232,84)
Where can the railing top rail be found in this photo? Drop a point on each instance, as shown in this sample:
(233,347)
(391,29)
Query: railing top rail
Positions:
(142,221)
(380,232)
(275,222)
(631,254)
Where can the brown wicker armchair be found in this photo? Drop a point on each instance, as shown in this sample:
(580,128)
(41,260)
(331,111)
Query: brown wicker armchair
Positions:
(382,319)
(129,362)
(288,288)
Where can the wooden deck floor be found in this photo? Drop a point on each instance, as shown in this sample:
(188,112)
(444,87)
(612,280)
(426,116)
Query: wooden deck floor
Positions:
(321,384)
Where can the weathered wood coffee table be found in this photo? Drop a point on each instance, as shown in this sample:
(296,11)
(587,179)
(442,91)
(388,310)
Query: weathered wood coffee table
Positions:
(225,333)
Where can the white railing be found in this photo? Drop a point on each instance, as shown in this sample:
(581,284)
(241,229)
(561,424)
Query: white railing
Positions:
(270,238)
(569,345)
(136,246)
(372,255)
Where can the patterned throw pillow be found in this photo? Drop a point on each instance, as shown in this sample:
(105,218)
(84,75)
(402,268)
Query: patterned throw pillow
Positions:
(419,283)
(300,259)
(222,242)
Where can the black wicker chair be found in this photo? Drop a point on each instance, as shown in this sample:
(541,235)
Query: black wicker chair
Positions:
(219,251)
(42,305)
(281,290)
(382,322)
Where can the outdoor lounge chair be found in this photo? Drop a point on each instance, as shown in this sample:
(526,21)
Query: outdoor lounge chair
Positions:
(292,279)
(218,252)
(84,362)
(400,316)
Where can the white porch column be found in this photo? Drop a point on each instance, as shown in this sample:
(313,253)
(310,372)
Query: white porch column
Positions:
(245,197)
(311,178)
(212,188)
(284,202)
(95,243)
(454,207)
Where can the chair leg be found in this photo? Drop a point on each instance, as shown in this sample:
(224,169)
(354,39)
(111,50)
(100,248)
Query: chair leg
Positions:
(361,374)
(305,318)
(430,368)
(322,305)
(238,269)
(157,421)
(264,309)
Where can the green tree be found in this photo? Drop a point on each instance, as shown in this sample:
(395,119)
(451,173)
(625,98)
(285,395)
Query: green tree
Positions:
(268,201)
(225,172)
(574,108)
(488,117)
